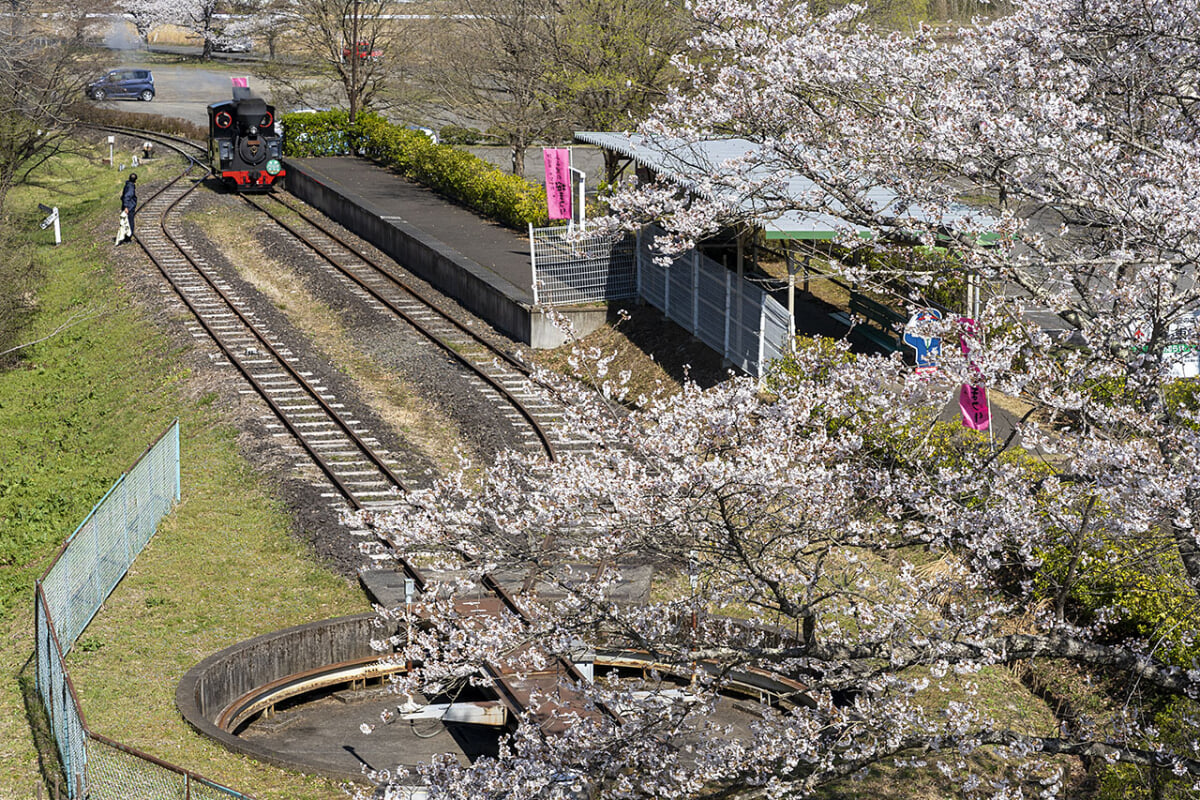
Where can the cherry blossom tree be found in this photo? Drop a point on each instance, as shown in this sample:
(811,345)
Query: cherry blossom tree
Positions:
(198,17)
(830,527)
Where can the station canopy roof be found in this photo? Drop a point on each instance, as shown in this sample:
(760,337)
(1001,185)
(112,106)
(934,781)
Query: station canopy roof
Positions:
(692,165)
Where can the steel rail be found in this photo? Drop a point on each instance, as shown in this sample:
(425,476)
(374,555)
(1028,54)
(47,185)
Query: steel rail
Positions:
(490,581)
(512,361)
(326,467)
(447,347)
(175,143)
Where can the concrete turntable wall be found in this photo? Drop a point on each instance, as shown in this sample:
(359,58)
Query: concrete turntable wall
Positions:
(225,676)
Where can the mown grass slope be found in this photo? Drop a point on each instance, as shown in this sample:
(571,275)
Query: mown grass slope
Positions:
(77,406)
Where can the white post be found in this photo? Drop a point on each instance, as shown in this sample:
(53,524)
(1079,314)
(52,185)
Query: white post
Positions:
(51,219)
(741,271)
(667,292)
(410,586)
(533,264)
(762,331)
(791,270)
(581,214)
(728,295)
(582,197)
(637,259)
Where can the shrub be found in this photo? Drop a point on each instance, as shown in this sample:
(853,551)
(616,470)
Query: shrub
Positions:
(452,173)
(457,134)
(326,133)
(88,113)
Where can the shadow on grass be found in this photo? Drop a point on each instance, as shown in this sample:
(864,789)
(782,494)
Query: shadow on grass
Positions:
(54,780)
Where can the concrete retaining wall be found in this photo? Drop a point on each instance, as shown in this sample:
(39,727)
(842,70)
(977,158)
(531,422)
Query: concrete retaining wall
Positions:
(218,680)
(476,288)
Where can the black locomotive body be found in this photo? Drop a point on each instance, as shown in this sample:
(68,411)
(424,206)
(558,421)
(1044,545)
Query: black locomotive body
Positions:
(244,145)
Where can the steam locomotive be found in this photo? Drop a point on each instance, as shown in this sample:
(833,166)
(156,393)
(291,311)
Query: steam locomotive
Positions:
(244,145)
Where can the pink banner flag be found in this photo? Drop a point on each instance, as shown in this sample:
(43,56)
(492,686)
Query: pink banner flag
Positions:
(972,401)
(243,82)
(558,181)
(972,398)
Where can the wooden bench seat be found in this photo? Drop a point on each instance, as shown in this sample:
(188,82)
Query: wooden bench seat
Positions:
(883,326)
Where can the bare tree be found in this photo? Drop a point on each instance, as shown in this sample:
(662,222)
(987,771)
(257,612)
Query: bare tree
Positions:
(356,49)
(266,20)
(612,62)
(198,17)
(495,57)
(40,79)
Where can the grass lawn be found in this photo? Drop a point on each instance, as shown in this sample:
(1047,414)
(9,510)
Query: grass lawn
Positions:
(75,411)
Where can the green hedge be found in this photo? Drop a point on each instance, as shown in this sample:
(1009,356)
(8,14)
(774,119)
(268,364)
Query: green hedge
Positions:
(452,173)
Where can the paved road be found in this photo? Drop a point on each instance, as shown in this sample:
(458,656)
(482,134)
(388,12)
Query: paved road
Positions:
(183,91)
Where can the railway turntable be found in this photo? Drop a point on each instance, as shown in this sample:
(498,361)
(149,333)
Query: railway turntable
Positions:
(316,698)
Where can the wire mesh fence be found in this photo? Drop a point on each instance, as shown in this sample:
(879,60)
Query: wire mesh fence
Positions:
(115,772)
(571,269)
(89,566)
(729,314)
(54,688)
(97,555)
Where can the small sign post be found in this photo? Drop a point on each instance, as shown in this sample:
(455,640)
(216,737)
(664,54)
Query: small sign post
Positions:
(579,179)
(51,219)
(112,140)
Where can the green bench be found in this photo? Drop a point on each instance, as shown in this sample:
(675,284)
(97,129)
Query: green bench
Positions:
(883,325)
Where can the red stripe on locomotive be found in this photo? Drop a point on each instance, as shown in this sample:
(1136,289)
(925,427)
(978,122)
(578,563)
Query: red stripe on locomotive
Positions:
(242,177)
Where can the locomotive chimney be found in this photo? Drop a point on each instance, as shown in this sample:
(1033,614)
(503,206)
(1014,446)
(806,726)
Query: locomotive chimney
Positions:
(250,112)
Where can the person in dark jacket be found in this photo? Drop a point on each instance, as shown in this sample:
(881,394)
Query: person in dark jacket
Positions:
(129,202)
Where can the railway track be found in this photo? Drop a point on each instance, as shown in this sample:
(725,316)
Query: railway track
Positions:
(364,475)
(505,380)
(361,473)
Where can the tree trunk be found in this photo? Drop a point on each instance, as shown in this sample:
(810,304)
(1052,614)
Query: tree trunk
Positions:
(352,94)
(518,156)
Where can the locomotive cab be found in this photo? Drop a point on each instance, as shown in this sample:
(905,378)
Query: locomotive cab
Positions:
(244,146)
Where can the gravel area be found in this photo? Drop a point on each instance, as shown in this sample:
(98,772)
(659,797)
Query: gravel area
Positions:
(314,517)
(391,347)
(438,378)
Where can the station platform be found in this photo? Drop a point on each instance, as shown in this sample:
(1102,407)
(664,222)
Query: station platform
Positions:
(482,265)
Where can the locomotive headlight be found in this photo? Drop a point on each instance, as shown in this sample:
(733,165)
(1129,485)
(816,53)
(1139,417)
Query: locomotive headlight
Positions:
(273,166)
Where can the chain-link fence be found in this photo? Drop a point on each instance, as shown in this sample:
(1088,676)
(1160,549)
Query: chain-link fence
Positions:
(58,697)
(570,269)
(89,566)
(116,772)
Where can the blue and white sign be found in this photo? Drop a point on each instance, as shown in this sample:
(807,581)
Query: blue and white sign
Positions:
(916,336)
